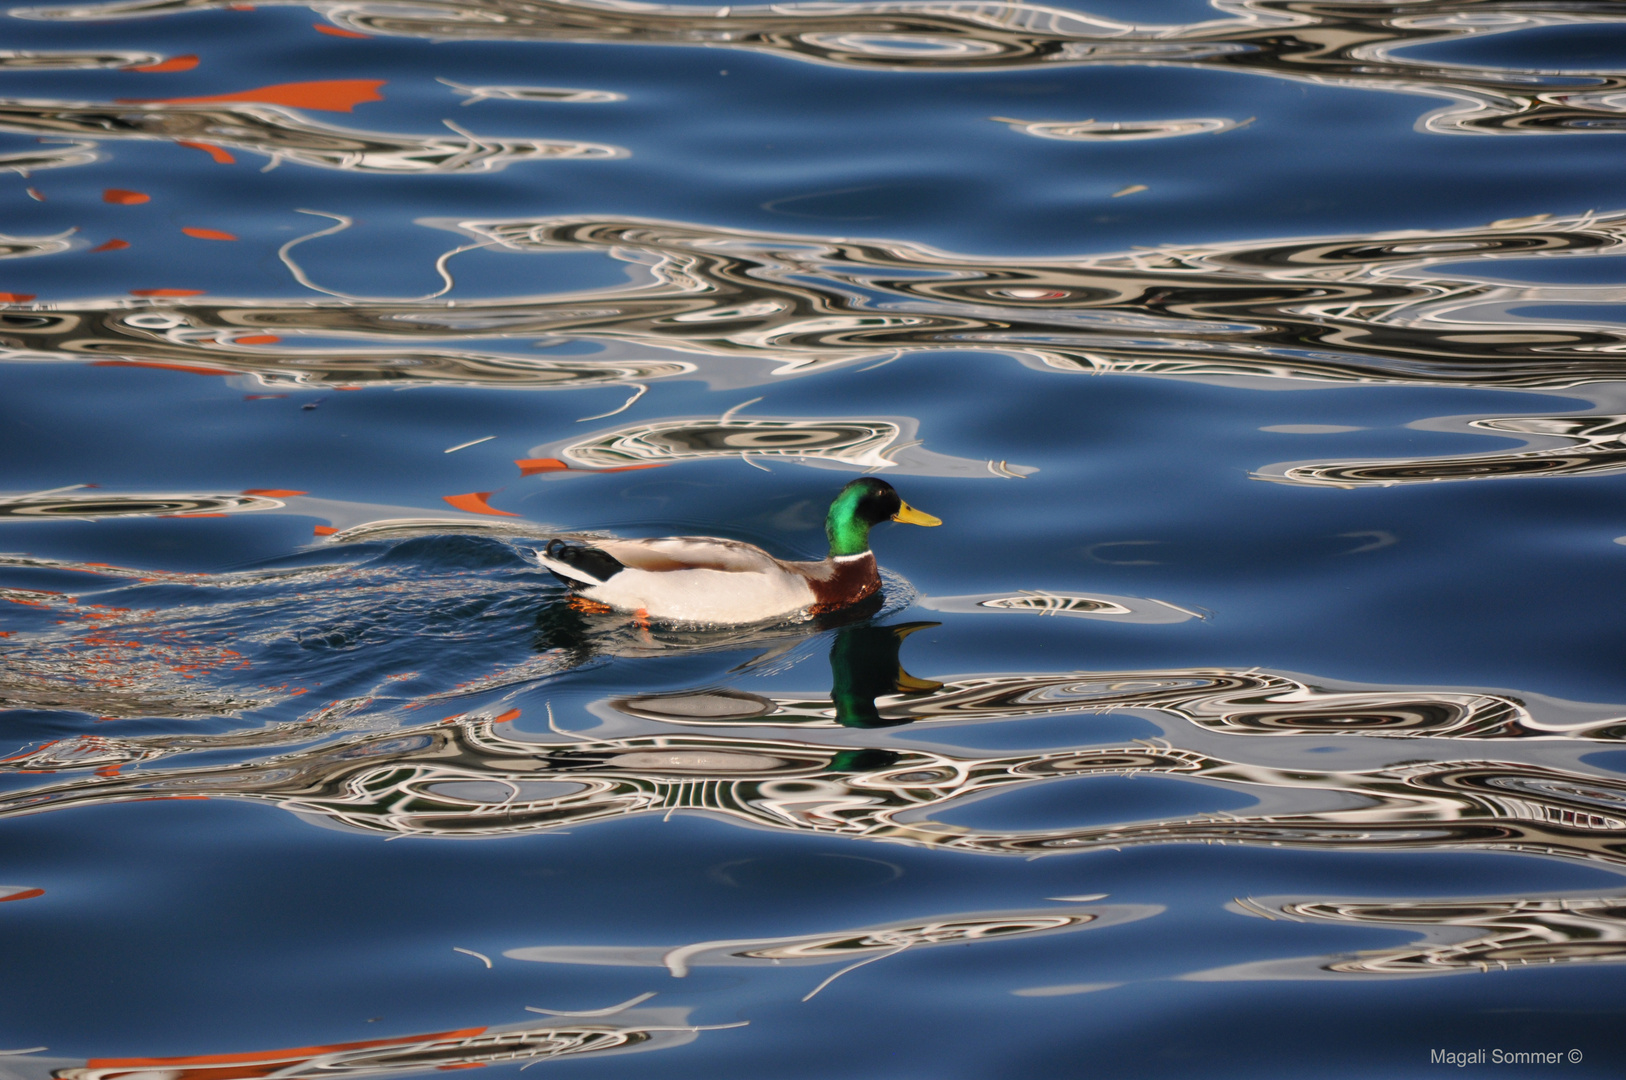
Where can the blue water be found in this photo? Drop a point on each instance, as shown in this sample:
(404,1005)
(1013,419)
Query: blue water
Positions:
(1251,714)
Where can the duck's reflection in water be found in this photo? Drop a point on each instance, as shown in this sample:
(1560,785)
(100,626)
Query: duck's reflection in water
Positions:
(1463,935)
(864,667)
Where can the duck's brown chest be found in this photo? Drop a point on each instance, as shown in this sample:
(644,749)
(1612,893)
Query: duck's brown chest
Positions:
(848,581)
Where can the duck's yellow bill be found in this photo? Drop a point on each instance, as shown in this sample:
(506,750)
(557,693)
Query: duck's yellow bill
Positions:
(909,515)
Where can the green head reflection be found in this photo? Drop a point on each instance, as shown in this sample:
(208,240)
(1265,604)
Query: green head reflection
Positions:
(864,665)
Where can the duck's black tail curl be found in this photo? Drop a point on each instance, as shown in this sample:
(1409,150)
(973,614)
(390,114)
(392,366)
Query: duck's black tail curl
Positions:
(579,565)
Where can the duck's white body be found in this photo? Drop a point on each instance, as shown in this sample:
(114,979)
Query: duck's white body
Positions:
(699,579)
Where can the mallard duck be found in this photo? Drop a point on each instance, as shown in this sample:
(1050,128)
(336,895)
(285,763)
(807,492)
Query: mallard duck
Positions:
(703,579)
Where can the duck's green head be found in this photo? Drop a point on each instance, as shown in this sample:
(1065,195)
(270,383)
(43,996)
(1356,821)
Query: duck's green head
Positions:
(861,504)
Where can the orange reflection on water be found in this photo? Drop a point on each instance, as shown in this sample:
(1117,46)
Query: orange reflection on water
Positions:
(338,31)
(474,502)
(461,1048)
(178,63)
(325,95)
(222,157)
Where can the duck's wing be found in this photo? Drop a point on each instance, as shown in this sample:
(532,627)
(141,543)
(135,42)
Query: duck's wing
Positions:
(697,579)
(691,553)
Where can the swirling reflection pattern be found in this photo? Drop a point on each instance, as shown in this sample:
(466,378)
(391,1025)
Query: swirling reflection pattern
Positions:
(864,443)
(30,60)
(26,247)
(462,778)
(1472,934)
(1333,42)
(1366,308)
(49,157)
(345,521)
(1585,445)
(461,1048)
(93,506)
(1119,131)
(1065,605)
(863,943)
(114,661)
(1222,700)
(285,135)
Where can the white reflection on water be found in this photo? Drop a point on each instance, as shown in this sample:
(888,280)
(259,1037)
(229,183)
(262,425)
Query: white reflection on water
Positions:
(1351,45)
(281,133)
(843,946)
(738,307)
(1564,445)
(1466,935)
(1120,131)
(429,781)
(868,444)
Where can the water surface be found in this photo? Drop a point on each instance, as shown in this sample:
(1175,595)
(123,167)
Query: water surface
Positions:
(1255,711)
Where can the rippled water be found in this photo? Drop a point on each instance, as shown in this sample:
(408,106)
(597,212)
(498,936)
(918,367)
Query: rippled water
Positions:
(1257,711)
